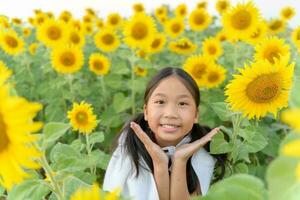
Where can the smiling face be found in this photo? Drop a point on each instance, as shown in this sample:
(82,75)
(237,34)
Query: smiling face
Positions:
(170,111)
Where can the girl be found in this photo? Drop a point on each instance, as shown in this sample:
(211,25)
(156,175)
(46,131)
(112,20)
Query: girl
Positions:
(162,152)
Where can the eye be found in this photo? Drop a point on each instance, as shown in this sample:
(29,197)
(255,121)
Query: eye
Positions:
(159,102)
(183,103)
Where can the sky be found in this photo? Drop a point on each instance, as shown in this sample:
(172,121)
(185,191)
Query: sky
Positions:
(24,8)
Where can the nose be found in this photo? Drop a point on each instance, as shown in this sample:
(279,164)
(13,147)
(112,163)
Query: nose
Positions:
(170,111)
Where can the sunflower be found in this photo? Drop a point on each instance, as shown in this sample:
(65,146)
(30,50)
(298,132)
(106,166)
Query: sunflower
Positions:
(90,11)
(32,48)
(142,53)
(241,20)
(212,48)
(99,23)
(67,59)
(26,32)
(65,16)
(258,35)
(16,21)
(17,152)
(5,72)
(89,19)
(106,40)
(99,64)
(39,19)
(52,33)
(215,76)
(138,7)
(197,66)
(201,5)
(199,20)
(87,28)
(183,46)
(292,118)
(140,71)
(161,11)
(114,21)
(139,30)
(93,193)
(174,27)
(276,26)
(76,37)
(157,44)
(296,36)
(10,42)
(181,11)
(4,22)
(291,149)
(221,36)
(82,118)
(270,49)
(287,13)
(222,6)
(261,88)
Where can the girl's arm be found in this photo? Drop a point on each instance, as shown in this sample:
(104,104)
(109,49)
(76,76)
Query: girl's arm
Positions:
(162,180)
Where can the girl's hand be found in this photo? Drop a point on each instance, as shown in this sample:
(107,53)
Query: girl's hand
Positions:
(184,152)
(158,156)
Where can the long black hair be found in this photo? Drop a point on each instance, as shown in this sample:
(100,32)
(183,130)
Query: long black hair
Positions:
(136,149)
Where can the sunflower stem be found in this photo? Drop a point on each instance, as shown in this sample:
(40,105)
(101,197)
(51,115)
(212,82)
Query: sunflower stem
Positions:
(49,172)
(236,120)
(88,149)
(131,60)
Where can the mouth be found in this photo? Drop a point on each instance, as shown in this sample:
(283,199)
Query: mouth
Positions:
(169,127)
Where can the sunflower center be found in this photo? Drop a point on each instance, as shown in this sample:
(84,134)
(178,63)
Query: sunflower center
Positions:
(139,31)
(298,35)
(183,45)
(98,65)
(213,77)
(182,12)
(287,13)
(67,59)
(75,38)
(199,70)
(271,55)
(114,20)
(108,39)
(176,28)
(82,117)
(11,41)
(54,33)
(212,50)
(4,140)
(256,34)
(199,19)
(223,5)
(263,89)
(276,25)
(241,20)
(155,43)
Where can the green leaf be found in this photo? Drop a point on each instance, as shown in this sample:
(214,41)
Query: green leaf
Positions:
(237,187)
(241,168)
(281,179)
(254,140)
(219,145)
(29,189)
(54,130)
(96,137)
(71,184)
(221,109)
(103,159)
(120,102)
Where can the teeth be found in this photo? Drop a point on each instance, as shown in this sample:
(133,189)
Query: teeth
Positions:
(169,126)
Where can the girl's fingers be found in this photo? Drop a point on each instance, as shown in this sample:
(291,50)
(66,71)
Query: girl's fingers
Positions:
(140,133)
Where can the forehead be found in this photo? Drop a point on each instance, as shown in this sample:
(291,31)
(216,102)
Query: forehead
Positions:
(172,87)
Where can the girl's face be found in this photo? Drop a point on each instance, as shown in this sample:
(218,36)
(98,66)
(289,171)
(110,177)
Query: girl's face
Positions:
(170,111)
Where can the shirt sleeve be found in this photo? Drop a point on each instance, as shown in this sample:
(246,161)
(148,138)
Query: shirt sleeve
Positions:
(118,170)
(203,164)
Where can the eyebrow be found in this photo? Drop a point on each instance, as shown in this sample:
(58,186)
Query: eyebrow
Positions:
(180,96)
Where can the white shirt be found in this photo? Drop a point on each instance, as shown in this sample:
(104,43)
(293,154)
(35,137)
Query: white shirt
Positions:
(120,172)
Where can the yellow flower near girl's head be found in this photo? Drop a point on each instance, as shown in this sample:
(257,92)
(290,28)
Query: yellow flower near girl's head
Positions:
(292,118)
(93,193)
(157,44)
(241,20)
(182,46)
(287,13)
(10,42)
(52,33)
(17,152)
(271,49)
(197,66)
(174,27)
(261,88)
(215,76)
(139,30)
(99,64)
(76,37)
(199,20)
(140,71)
(82,118)
(67,59)
(212,48)
(106,40)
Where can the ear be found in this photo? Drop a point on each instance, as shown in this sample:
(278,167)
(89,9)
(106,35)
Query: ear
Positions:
(145,113)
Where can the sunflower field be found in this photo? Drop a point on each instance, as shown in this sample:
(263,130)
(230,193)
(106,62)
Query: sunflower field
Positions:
(68,85)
